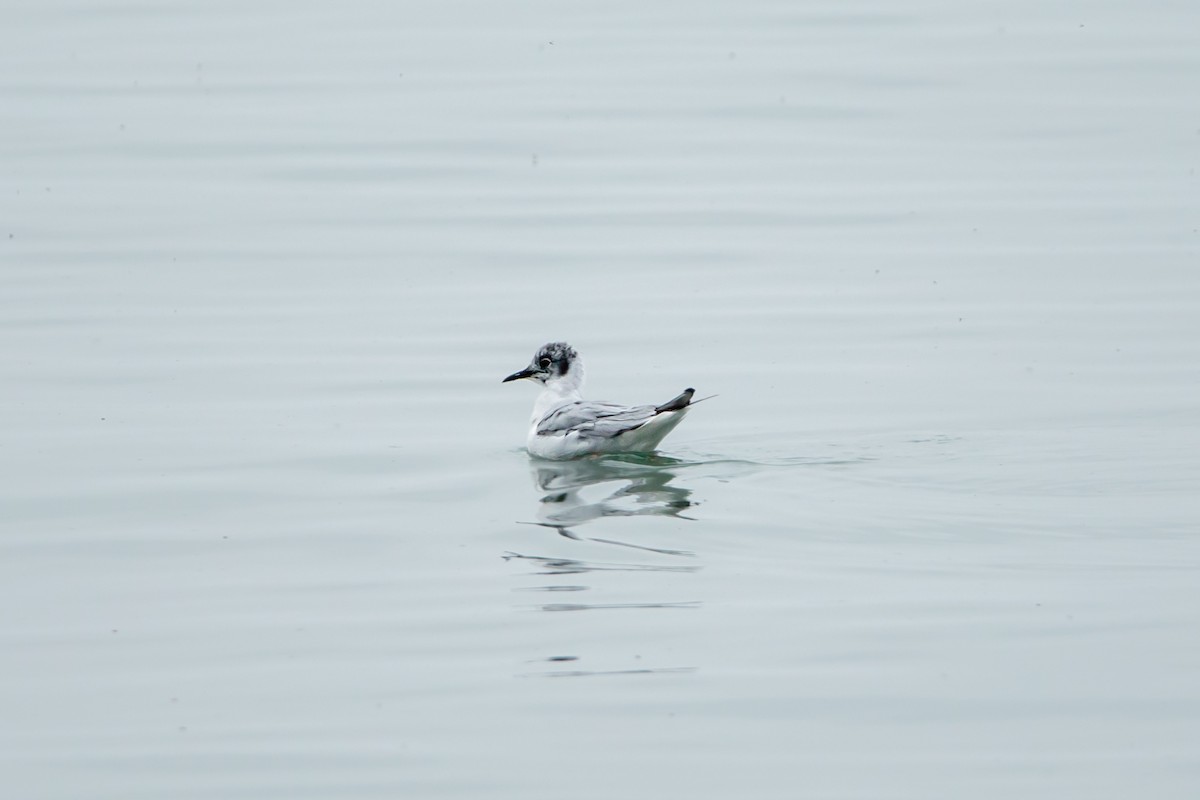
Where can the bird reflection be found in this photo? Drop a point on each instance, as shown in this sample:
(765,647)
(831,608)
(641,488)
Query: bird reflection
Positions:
(572,494)
(580,491)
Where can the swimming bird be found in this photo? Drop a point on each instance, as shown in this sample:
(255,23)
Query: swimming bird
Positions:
(564,425)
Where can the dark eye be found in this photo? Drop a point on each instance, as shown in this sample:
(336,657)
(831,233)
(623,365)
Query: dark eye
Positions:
(544,363)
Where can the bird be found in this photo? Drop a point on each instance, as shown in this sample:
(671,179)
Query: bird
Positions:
(564,425)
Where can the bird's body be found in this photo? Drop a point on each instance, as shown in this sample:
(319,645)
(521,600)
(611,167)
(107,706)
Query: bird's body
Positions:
(564,425)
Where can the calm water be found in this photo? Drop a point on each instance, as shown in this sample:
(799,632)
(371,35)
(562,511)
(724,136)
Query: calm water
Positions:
(267,529)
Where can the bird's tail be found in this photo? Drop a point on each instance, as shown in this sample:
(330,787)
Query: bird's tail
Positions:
(678,403)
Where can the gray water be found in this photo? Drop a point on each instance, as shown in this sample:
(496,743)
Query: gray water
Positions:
(267,527)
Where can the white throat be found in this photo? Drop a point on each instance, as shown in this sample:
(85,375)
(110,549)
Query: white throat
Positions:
(559,390)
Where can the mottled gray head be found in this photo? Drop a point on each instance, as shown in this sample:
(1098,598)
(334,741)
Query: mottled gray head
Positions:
(550,362)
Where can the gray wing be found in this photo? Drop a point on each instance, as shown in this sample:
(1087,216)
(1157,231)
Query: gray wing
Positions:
(594,420)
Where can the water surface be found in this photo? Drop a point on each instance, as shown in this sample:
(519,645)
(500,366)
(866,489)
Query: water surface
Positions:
(267,527)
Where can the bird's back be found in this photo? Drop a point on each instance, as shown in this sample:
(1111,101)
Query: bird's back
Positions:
(582,428)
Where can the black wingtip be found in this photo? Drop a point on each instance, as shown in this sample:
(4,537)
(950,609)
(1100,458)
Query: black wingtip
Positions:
(678,403)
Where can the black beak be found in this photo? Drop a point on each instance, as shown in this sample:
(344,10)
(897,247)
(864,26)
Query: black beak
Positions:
(516,376)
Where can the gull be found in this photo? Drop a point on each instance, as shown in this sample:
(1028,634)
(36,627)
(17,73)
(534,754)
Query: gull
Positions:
(564,425)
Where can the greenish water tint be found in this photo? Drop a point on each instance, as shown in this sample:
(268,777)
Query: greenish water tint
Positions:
(266,529)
